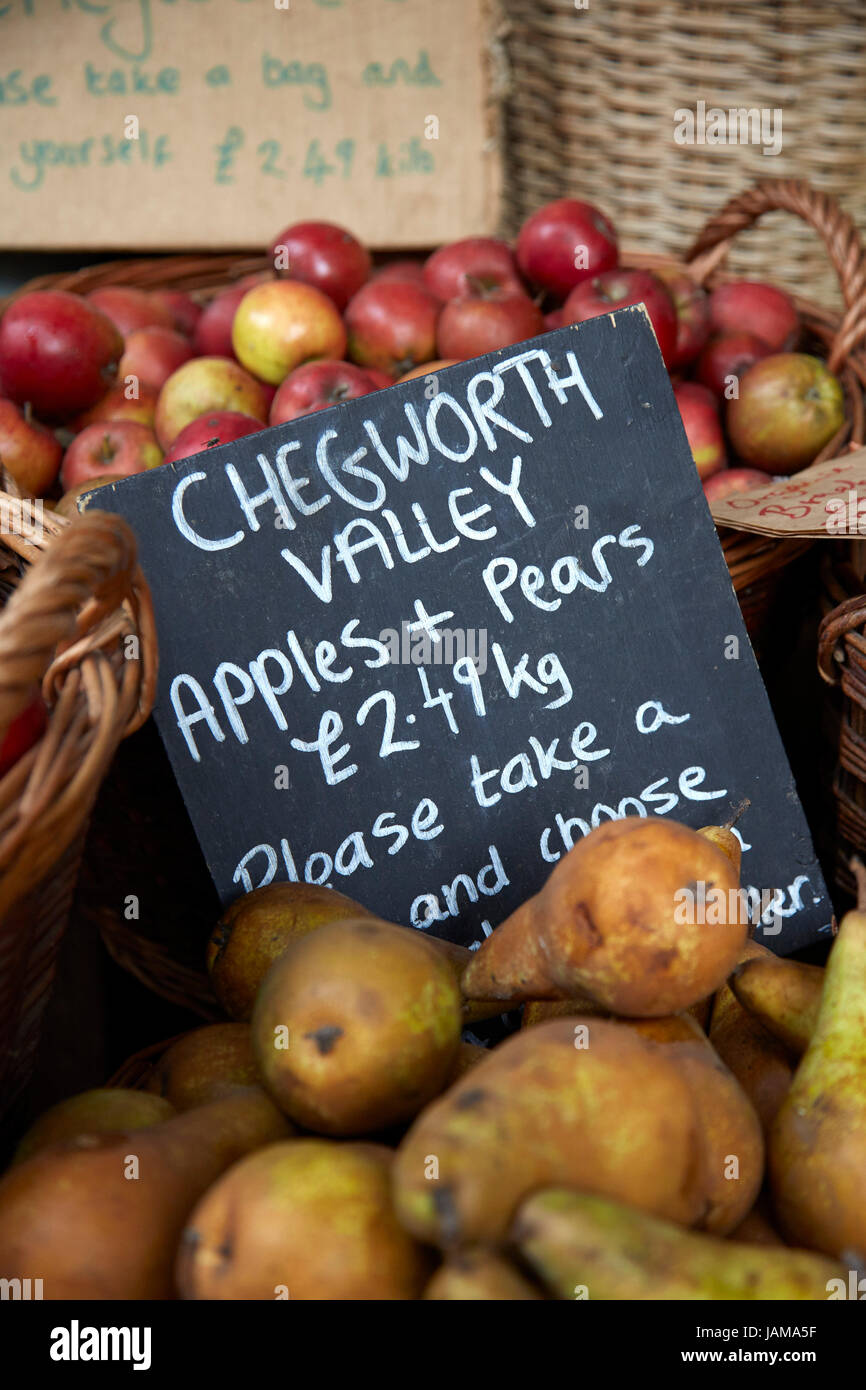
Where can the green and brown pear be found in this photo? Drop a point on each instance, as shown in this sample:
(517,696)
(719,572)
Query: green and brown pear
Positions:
(302,1220)
(205,1065)
(257,928)
(818,1142)
(761,1064)
(732,1141)
(357,1026)
(582,1101)
(479,1275)
(99,1217)
(586,1247)
(105,1110)
(783,995)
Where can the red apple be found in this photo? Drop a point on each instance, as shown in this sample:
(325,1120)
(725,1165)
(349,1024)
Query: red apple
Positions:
(392,326)
(476,324)
(279,325)
(565,243)
(616,289)
(552,320)
(120,447)
(471,266)
(28,450)
(788,408)
(125,401)
(703,430)
(403,269)
(730,480)
(58,352)
(25,730)
(207,431)
(725,359)
(203,386)
(152,354)
(749,306)
(325,256)
(185,313)
(379,378)
(693,315)
(694,391)
(317,385)
(213,332)
(130,309)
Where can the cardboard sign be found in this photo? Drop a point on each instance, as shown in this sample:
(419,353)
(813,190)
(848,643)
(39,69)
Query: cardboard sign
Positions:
(826,501)
(416,645)
(206,124)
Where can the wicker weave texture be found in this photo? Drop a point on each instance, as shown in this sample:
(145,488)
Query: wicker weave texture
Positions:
(591,113)
(77,594)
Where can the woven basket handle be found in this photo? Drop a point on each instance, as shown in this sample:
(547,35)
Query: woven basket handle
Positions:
(847,617)
(834,226)
(84,574)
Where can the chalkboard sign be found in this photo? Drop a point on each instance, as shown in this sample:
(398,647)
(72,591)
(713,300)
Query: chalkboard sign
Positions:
(416,645)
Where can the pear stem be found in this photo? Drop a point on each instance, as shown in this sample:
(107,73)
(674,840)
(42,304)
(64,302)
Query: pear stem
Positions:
(858,869)
(737,812)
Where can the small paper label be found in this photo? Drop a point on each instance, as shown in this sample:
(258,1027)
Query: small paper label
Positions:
(826,501)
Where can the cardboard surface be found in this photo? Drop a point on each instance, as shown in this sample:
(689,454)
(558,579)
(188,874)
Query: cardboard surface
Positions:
(250,115)
(826,501)
(416,645)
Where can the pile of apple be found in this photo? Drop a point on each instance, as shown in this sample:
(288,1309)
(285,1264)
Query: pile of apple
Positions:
(120,380)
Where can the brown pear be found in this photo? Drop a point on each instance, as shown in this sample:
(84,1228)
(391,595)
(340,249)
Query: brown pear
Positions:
(731,1138)
(102,1111)
(357,1026)
(758,1060)
(256,928)
(619,918)
(784,995)
(302,1220)
(99,1217)
(205,1065)
(481,1275)
(581,1101)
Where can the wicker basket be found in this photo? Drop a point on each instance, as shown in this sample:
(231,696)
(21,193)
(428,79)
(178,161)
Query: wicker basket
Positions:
(165,950)
(758,564)
(842,664)
(591,113)
(75,595)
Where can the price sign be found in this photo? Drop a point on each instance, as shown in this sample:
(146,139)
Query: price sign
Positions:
(417,645)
